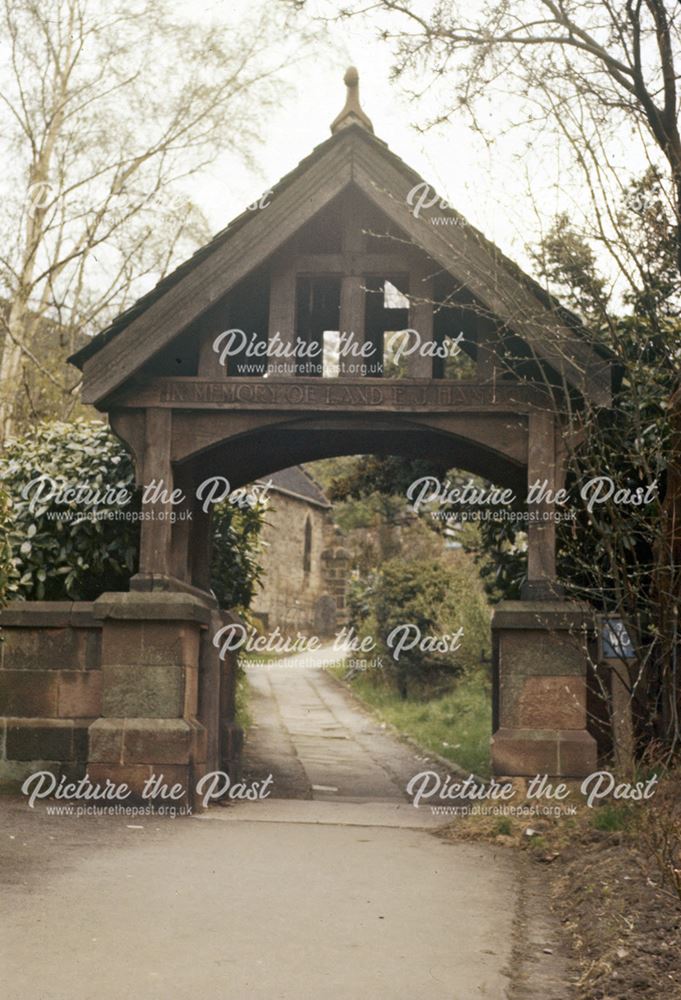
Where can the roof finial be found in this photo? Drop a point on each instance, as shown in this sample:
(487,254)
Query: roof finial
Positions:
(352,113)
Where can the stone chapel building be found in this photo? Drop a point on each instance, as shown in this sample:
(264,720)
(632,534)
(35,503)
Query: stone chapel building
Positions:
(305,566)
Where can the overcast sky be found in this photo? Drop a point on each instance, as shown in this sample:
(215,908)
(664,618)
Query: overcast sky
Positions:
(501,187)
(509,190)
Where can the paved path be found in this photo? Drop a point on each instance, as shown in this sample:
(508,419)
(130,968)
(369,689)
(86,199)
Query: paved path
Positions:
(316,741)
(336,895)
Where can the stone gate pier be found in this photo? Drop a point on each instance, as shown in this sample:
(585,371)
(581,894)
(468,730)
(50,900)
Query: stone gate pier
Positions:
(539,651)
(150,663)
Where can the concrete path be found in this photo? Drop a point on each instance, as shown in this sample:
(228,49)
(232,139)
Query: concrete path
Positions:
(185,909)
(337,895)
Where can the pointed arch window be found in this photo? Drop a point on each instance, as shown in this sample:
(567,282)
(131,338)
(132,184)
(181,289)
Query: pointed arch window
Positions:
(307,545)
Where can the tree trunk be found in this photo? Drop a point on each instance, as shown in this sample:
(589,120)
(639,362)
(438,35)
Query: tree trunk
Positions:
(10,370)
(667,583)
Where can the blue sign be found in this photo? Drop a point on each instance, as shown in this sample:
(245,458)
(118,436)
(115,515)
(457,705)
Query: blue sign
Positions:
(615,641)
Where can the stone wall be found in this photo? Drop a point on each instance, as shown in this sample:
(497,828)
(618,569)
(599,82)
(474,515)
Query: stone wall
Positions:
(123,687)
(336,566)
(50,687)
(293,597)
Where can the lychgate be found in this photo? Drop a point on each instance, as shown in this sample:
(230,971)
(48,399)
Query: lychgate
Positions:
(276,344)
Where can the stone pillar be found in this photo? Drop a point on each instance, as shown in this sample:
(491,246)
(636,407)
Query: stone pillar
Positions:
(540,666)
(150,660)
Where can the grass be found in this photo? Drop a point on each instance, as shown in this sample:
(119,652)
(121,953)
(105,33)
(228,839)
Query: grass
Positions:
(242,714)
(456,725)
(612,817)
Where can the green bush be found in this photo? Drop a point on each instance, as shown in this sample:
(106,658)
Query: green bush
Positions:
(235,568)
(57,553)
(437,598)
(69,548)
(612,817)
(6,569)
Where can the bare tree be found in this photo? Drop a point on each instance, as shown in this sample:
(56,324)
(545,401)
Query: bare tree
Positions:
(607,63)
(106,109)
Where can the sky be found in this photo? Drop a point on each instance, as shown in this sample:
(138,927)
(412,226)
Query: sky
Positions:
(508,189)
(486,182)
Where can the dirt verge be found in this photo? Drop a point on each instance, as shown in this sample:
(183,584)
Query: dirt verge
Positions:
(597,900)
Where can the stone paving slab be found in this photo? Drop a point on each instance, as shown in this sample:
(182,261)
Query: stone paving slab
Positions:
(326,813)
(317,742)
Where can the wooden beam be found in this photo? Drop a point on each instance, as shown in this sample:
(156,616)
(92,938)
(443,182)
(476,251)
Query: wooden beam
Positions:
(155,532)
(282,318)
(505,433)
(259,237)
(487,339)
(621,715)
(304,394)
(541,534)
(420,365)
(201,546)
(209,360)
(129,426)
(195,431)
(182,529)
(382,264)
(352,317)
(352,296)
